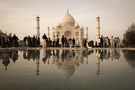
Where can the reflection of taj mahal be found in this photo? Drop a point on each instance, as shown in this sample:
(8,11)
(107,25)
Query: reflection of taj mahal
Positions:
(69,29)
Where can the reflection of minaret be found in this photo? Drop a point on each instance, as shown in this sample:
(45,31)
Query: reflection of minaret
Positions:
(38,26)
(98,28)
(98,66)
(87,34)
(37,67)
(48,32)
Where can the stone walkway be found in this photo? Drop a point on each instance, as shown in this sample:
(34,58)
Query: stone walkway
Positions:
(79,48)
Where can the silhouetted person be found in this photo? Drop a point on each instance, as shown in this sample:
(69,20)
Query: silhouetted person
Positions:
(2,41)
(33,41)
(38,42)
(101,41)
(73,42)
(44,37)
(10,41)
(29,41)
(15,40)
(57,41)
(63,40)
(49,42)
(66,42)
(54,41)
(25,41)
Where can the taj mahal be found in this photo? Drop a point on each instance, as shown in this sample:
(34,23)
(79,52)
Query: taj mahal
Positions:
(70,29)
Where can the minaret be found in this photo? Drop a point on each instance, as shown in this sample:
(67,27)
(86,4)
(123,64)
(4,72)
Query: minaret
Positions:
(48,32)
(38,26)
(98,28)
(87,34)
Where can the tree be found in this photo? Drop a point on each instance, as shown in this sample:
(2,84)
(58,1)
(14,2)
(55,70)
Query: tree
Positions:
(129,37)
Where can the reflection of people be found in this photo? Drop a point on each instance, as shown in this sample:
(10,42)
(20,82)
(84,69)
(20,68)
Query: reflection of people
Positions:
(112,54)
(6,60)
(31,54)
(46,55)
(25,54)
(15,55)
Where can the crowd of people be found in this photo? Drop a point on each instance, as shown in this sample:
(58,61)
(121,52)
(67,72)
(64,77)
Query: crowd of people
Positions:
(31,41)
(63,42)
(112,42)
(9,41)
(56,41)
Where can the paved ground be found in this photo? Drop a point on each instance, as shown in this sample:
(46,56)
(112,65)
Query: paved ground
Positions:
(38,48)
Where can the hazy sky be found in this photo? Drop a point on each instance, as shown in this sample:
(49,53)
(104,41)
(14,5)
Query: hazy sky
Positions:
(18,16)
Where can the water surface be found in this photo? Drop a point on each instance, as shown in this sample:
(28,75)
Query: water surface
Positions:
(67,69)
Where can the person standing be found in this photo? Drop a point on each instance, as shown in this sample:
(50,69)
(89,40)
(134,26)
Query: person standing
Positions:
(63,40)
(54,41)
(118,42)
(45,40)
(15,40)
(101,41)
(77,42)
(112,42)
(70,42)
(29,41)
(24,41)
(57,41)
(73,42)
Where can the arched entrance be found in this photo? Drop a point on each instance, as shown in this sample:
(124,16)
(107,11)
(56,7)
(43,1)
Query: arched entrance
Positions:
(68,34)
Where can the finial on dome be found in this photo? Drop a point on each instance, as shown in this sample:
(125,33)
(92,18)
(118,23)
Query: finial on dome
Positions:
(67,11)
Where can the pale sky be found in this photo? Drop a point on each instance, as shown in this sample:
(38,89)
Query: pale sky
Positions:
(18,16)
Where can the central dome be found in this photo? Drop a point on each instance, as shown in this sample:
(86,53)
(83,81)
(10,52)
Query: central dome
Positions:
(68,19)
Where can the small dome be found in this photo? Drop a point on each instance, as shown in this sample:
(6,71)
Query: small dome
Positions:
(68,19)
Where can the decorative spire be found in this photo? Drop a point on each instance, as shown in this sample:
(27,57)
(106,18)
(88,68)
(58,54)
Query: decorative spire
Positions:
(67,11)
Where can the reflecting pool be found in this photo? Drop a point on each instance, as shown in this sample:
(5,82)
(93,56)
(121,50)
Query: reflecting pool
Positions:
(102,69)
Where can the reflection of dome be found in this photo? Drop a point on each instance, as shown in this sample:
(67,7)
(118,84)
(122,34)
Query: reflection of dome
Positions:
(67,69)
(68,20)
